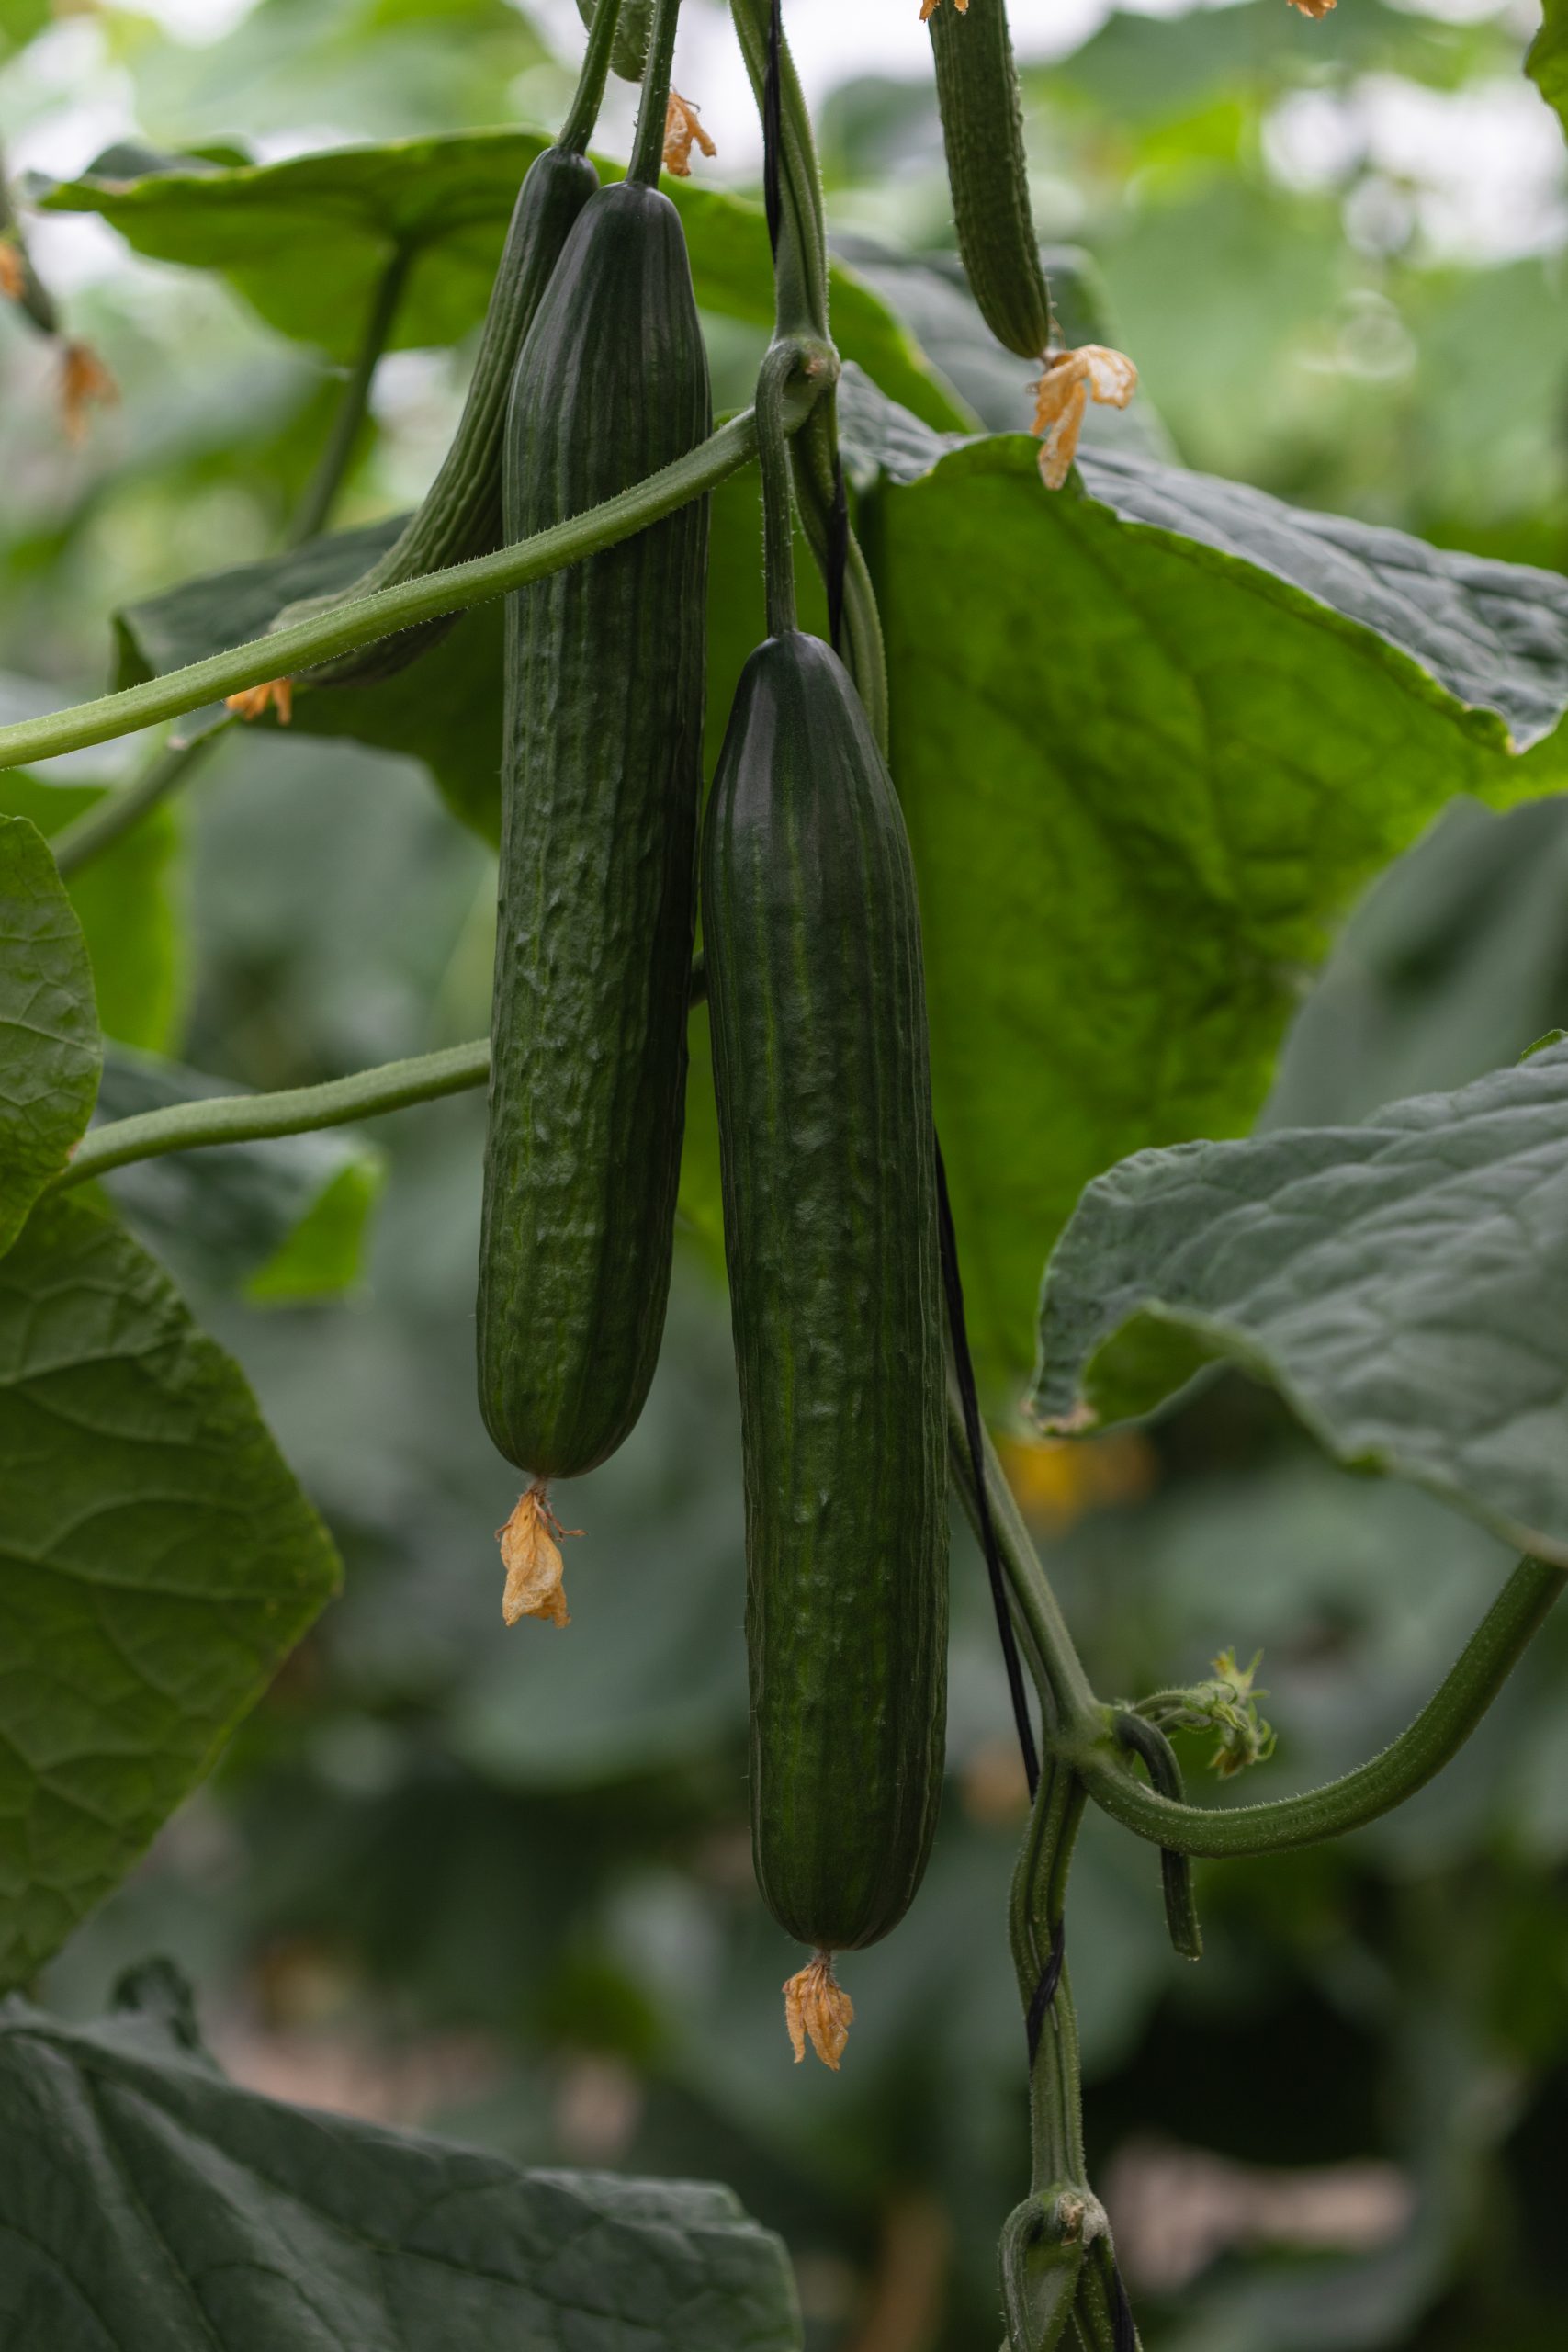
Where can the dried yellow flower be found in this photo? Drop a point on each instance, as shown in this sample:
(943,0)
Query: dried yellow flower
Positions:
(930,8)
(1070,380)
(531,1557)
(253,702)
(1313,8)
(83,379)
(13,278)
(680,127)
(818,2010)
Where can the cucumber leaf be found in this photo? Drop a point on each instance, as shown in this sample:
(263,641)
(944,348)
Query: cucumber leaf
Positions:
(48,1029)
(1088,714)
(179,2210)
(283,1219)
(305,241)
(1403,1283)
(126,903)
(157,1563)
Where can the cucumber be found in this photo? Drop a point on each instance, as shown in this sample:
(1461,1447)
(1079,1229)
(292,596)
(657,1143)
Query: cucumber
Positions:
(812,952)
(629,56)
(982,130)
(601,781)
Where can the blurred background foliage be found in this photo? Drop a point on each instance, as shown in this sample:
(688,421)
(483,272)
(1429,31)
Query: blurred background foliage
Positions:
(503,1885)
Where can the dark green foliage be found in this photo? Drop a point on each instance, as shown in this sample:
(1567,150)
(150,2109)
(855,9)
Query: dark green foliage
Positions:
(820,1066)
(982,130)
(600,783)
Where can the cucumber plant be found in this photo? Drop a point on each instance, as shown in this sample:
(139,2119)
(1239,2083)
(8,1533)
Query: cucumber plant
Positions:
(1332,1263)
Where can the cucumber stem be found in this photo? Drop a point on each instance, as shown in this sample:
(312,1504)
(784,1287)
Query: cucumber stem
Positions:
(800,264)
(584,112)
(780,364)
(647,147)
(338,453)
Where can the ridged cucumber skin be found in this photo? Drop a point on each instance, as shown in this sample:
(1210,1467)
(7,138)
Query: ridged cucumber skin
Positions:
(630,54)
(460,514)
(812,944)
(601,785)
(987,172)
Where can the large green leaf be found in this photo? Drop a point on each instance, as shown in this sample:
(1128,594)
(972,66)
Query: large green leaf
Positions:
(284,1218)
(157,1562)
(146,2201)
(1147,766)
(1403,1284)
(48,1029)
(126,903)
(306,240)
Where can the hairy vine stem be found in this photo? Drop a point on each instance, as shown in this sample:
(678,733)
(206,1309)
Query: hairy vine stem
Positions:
(1084,1734)
(364,619)
(1439,1732)
(248,1118)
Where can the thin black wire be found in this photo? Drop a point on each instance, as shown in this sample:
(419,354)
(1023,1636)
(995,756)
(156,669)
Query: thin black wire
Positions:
(773,131)
(1045,1993)
(953,1287)
(838,552)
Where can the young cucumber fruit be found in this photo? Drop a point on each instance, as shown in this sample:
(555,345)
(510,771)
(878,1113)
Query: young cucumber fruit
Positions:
(460,514)
(601,781)
(811,937)
(982,129)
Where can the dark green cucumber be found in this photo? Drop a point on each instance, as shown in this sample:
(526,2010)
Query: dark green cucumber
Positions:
(460,514)
(982,129)
(812,950)
(601,781)
(629,55)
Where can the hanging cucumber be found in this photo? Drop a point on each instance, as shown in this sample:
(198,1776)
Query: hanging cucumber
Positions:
(600,791)
(982,129)
(812,950)
(460,514)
